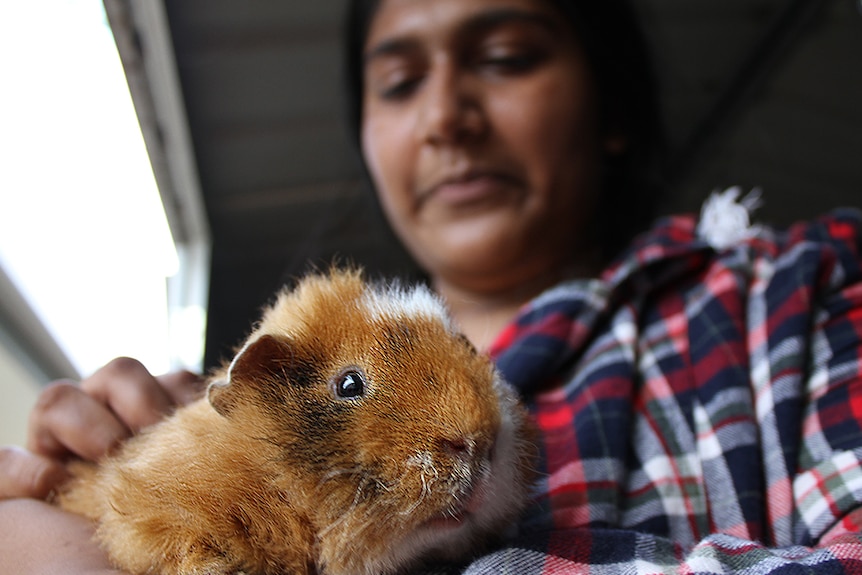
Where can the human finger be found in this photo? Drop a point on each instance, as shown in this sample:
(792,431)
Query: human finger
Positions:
(66,421)
(26,474)
(131,392)
(183,386)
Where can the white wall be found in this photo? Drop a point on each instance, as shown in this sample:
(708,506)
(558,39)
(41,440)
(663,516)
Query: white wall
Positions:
(18,392)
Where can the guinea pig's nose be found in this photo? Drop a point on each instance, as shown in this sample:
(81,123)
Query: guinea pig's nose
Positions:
(459,446)
(468,448)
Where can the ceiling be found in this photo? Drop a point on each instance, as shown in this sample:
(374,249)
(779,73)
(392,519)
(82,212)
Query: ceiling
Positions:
(240,105)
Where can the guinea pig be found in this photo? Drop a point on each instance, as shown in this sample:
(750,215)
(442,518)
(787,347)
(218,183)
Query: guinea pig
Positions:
(355,432)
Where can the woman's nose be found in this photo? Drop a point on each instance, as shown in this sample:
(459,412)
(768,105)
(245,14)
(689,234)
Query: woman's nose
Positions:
(451,106)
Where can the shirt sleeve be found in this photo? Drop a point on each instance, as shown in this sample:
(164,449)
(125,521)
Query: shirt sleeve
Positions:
(615,551)
(827,488)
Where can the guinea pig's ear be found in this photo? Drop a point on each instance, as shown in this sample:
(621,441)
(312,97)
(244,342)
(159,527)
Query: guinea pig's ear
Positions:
(260,361)
(218,395)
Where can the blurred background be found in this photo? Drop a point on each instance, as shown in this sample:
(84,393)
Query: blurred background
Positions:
(166,166)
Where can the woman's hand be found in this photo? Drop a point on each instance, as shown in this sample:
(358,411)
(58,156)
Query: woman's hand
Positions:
(88,420)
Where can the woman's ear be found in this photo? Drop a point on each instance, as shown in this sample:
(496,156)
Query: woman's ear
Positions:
(256,365)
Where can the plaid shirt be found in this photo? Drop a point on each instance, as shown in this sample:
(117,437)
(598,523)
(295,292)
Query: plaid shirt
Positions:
(700,409)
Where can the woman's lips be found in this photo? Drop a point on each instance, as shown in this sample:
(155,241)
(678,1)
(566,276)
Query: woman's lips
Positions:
(469,189)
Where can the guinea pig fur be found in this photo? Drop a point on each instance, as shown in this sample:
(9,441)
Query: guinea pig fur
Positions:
(355,432)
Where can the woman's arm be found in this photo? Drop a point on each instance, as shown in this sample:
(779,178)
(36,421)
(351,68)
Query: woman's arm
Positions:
(40,538)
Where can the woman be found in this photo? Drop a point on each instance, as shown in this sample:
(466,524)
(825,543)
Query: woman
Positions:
(696,403)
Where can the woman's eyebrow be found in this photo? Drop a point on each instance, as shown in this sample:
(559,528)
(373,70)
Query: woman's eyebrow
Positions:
(473,26)
(490,19)
(390,47)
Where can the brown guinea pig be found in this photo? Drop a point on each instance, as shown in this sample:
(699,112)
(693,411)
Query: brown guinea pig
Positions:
(356,432)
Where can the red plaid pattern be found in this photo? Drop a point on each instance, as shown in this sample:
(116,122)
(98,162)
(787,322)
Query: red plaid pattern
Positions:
(700,410)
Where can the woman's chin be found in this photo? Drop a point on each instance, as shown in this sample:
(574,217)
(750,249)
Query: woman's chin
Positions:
(474,243)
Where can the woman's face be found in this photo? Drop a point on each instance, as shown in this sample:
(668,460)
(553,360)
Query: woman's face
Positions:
(480,131)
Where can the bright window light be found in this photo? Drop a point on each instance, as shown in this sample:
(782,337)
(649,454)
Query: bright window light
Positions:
(82,230)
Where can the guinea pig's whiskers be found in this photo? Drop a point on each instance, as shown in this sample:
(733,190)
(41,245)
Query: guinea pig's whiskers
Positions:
(422,494)
(357,497)
(424,460)
(428,474)
(333,473)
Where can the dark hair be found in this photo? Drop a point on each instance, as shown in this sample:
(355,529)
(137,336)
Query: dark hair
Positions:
(610,34)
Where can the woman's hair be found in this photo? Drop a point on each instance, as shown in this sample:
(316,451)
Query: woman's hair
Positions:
(611,37)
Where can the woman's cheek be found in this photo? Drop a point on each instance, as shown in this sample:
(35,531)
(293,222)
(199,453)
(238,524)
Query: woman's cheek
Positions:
(386,149)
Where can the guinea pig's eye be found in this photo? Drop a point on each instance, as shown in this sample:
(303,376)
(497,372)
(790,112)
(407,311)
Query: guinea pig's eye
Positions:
(349,385)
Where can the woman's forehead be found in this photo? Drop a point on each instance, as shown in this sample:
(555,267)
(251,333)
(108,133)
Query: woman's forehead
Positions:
(395,19)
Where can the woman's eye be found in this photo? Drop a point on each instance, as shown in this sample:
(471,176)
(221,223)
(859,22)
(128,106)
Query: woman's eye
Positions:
(509,62)
(399,90)
(350,385)
(393,78)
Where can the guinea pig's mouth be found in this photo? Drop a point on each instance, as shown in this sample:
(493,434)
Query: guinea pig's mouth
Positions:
(462,510)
